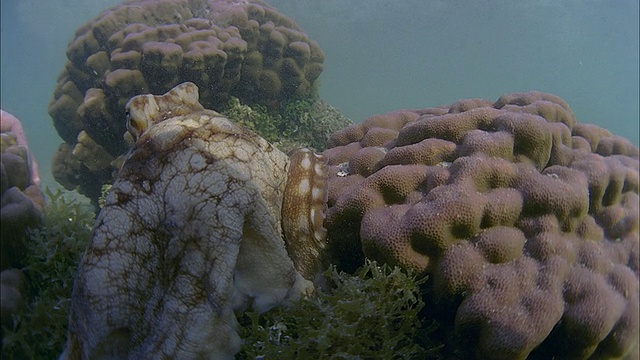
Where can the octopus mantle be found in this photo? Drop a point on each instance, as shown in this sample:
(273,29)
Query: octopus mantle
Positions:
(190,232)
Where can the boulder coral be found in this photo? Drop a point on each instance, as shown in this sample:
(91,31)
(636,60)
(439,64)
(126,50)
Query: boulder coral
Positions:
(21,205)
(14,135)
(228,48)
(524,220)
(21,200)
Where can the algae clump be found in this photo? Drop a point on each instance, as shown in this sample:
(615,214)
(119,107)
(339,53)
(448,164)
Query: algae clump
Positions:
(300,122)
(373,314)
(53,253)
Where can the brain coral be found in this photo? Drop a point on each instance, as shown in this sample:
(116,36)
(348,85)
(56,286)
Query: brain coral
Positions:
(239,48)
(525,221)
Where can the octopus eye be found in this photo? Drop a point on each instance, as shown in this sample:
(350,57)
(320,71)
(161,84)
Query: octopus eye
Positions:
(131,125)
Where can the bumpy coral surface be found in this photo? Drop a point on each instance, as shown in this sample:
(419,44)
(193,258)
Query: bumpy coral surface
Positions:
(190,232)
(21,206)
(244,49)
(21,200)
(14,134)
(525,221)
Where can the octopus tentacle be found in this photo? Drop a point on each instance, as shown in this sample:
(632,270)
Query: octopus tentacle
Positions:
(303,211)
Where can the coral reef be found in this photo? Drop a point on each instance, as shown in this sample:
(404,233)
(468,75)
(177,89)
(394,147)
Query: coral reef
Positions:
(192,228)
(525,221)
(228,48)
(520,223)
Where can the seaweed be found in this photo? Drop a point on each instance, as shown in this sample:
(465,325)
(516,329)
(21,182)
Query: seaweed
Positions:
(372,314)
(300,122)
(54,251)
(103,195)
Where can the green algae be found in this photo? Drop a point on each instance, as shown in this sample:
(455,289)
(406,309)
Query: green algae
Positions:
(54,250)
(300,122)
(103,194)
(372,314)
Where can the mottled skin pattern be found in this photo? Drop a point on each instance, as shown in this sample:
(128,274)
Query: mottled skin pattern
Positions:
(190,232)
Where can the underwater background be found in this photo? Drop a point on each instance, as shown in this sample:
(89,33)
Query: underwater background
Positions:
(385,55)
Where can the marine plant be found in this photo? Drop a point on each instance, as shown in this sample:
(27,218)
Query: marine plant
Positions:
(301,122)
(371,314)
(54,250)
(256,118)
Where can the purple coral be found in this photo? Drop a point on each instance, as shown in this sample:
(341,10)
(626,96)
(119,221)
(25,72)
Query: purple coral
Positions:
(525,221)
(21,205)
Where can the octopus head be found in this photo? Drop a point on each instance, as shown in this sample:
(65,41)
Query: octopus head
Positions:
(145,110)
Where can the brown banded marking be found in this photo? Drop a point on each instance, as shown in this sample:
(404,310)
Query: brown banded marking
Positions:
(303,211)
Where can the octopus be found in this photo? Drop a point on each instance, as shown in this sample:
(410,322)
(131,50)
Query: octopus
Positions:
(204,219)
